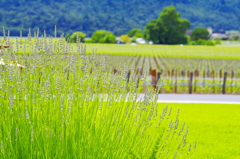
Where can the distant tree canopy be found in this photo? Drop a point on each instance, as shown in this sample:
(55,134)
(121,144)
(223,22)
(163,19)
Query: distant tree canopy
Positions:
(125,39)
(91,15)
(135,33)
(200,33)
(67,37)
(79,35)
(235,38)
(169,28)
(103,36)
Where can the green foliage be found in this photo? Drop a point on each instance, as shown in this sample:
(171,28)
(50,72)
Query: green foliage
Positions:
(217,42)
(91,15)
(169,28)
(155,149)
(137,33)
(88,40)
(235,38)
(77,35)
(203,42)
(103,36)
(125,39)
(67,37)
(199,33)
(209,43)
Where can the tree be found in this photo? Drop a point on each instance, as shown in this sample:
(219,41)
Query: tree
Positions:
(125,39)
(169,28)
(199,33)
(103,36)
(137,33)
(80,35)
(235,38)
(67,37)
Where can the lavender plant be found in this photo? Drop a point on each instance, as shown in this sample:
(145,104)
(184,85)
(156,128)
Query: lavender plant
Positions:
(66,104)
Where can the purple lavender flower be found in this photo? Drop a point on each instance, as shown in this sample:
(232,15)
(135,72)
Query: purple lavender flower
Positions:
(64,57)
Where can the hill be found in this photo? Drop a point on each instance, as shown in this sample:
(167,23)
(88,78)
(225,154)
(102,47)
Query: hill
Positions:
(118,16)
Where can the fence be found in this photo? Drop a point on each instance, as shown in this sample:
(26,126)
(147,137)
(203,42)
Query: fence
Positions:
(185,81)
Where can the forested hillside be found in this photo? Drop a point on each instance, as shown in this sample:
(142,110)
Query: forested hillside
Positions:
(118,16)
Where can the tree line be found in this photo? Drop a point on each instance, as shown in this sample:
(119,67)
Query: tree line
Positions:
(116,16)
(168,28)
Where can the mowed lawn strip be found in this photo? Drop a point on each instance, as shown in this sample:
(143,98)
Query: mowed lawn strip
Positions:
(216,127)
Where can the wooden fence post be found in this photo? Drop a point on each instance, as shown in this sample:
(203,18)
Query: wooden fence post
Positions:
(172,74)
(196,74)
(204,77)
(172,80)
(140,72)
(154,78)
(232,76)
(137,74)
(159,76)
(176,76)
(213,77)
(208,73)
(224,83)
(183,73)
(190,82)
(128,76)
(115,71)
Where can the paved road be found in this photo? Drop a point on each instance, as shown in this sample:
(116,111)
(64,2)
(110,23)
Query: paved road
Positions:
(198,98)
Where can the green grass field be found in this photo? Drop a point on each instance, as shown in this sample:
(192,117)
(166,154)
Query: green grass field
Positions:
(215,127)
(174,51)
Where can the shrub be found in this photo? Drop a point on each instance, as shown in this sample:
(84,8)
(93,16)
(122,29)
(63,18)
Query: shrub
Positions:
(217,42)
(103,36)
(199,33)
(137,33)
(203,42)
(125,39)
(209,43)
(67,37)
(133,40)
(235,38)
(74,36)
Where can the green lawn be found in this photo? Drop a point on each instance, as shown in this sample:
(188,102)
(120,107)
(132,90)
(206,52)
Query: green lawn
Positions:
(215,127)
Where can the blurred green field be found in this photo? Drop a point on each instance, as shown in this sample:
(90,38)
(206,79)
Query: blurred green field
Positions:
(220,52)
(173,51)
(215,127)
